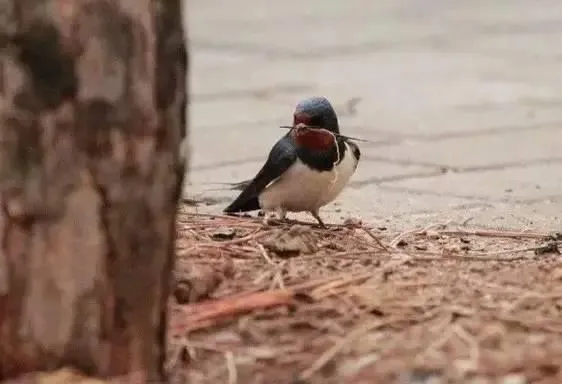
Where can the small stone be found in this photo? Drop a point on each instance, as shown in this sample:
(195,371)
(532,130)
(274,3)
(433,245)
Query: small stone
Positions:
(352,222)
(402,243)
(297,240)
(223,233)
(194,282)
(551,247)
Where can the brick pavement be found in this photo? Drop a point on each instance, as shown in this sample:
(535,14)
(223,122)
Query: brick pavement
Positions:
(462,100)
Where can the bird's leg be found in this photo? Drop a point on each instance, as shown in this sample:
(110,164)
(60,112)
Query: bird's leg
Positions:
(281,214)
(270,219)
(317,217)
(266,217)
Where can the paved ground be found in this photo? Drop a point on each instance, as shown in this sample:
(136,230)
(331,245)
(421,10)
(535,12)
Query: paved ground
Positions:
(462,101)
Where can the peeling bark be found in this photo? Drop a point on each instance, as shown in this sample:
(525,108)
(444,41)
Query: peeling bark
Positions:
(92,109)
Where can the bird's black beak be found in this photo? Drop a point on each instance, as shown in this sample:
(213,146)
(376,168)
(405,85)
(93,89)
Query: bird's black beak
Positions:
(299,128)
(302,128)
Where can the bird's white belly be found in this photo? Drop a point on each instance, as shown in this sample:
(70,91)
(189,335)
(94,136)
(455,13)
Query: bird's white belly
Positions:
(301,188)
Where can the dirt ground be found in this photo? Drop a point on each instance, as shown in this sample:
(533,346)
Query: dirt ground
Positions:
(294,303)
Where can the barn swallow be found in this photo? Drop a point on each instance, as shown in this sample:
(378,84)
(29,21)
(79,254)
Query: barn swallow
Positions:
(306,169)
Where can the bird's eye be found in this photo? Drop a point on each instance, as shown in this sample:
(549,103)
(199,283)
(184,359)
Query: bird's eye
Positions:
(317,121)
(301,118)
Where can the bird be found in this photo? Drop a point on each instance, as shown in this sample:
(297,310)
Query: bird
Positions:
(306,169)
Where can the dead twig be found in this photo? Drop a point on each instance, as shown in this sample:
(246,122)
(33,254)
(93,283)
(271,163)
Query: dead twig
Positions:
(536,325)
(214,310)
(276,270)
(340,285)
(376,239)
(328,288)
(231,368)
(327,356)
(264,254)
(496,233)
(252,236)
(394,243)
(474,350)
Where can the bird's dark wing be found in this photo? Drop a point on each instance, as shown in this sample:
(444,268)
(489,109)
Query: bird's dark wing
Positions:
(241,185)
(282,156)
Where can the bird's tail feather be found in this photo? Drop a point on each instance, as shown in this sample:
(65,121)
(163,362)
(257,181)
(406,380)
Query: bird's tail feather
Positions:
(240,185)
(243,205)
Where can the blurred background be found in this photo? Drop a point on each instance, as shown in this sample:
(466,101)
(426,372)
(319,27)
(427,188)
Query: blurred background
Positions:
(462,101)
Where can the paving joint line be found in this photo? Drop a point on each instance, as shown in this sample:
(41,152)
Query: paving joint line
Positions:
(487,199)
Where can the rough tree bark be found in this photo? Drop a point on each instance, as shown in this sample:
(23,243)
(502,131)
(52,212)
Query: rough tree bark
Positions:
(92,113)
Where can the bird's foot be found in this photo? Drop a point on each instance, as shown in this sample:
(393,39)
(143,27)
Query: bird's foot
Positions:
(275,217)
(282,215)
(320,222)
(267,220)
(271,220)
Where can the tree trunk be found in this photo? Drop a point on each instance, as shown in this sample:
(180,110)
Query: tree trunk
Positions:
(92,109)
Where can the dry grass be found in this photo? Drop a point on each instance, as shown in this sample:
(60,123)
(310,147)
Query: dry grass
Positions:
(299,304)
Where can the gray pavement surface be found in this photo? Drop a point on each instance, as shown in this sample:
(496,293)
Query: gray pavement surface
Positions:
(463,101)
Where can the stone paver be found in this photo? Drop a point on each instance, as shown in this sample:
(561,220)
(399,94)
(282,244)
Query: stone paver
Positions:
(461,100)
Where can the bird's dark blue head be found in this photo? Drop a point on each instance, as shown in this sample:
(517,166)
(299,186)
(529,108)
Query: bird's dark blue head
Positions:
(316,112)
